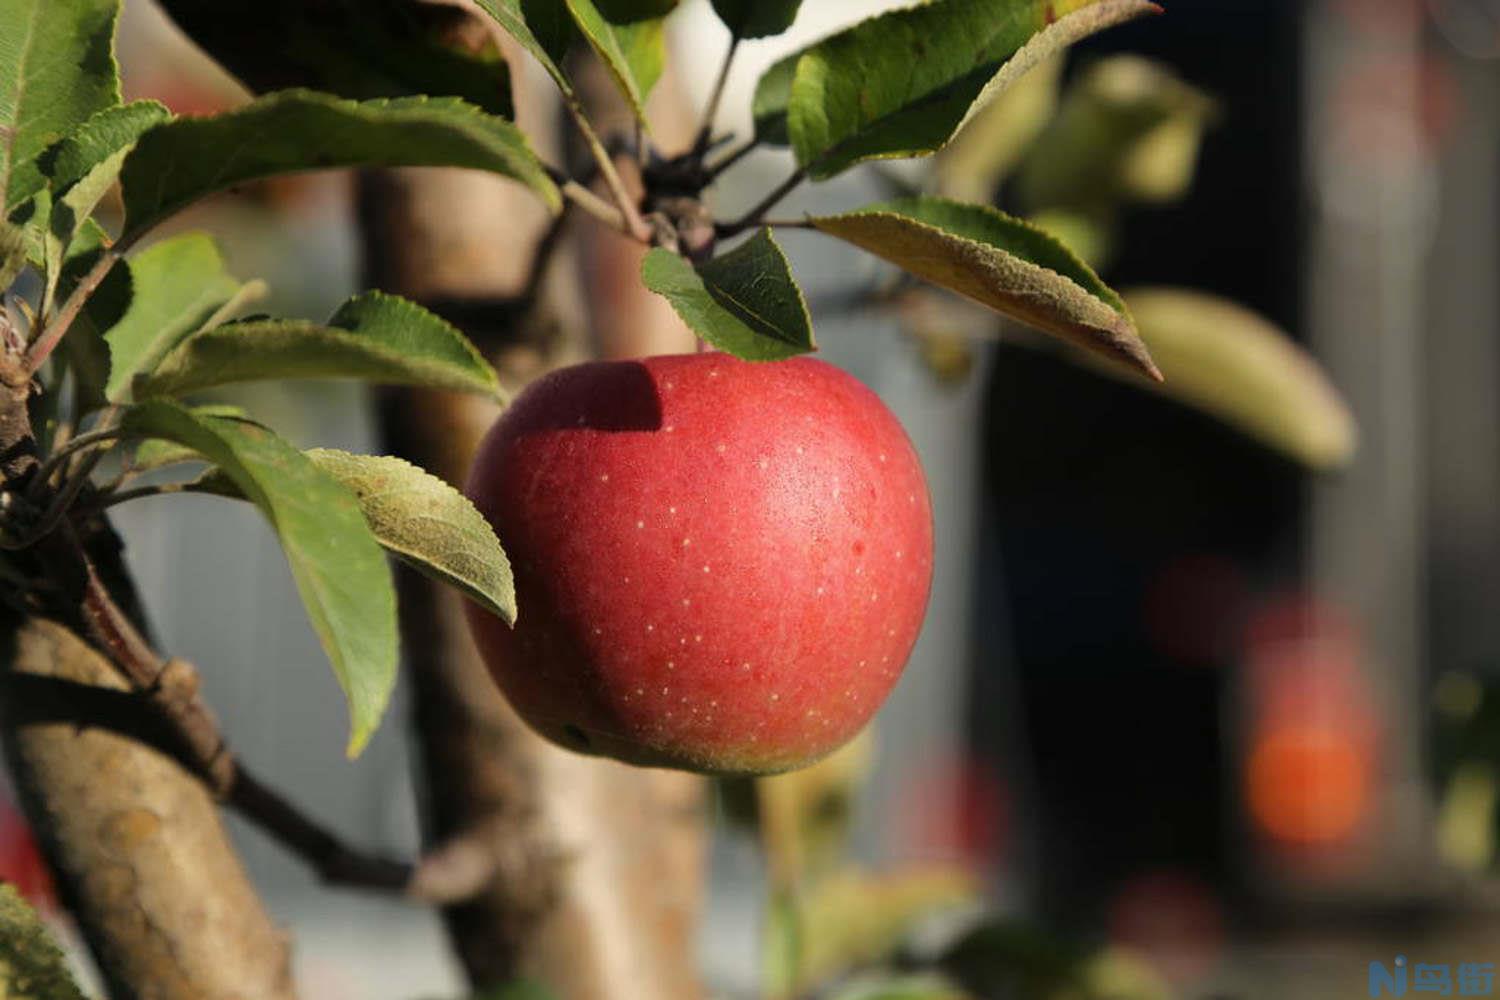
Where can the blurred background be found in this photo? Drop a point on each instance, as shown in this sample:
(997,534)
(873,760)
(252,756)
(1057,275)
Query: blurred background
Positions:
(1177,693)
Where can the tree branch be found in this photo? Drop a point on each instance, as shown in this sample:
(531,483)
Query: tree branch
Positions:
(730,159)
(171,688)
(711,111)
(753,217)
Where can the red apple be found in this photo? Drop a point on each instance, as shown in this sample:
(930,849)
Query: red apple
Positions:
(720,565)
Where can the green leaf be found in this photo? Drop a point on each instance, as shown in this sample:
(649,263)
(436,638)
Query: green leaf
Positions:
(104,137)
(82,167)
(340,571)
(179,162)
(855,918)
(359,50)
(756,18)
(156,453)
(543,27)
(57,67)
(1224,359)
(744,302)
(428,524)
(372,336)
(32,966)
(1091,235)
(1001,262)
(918,987)
(625,11)
(634,51)
(12,253)
(904,83)
(1007,957)
(768,107)
(1127,130)
(175,285)
(990,146)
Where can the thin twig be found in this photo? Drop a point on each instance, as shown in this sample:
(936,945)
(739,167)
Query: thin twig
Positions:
(753,217)
(789,223)
(52,332)
(632,224)
(334,861)
(102,435)
(700,145)
(728,161)
(114,497)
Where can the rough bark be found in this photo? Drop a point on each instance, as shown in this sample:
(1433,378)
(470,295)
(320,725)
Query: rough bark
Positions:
(134,840)
(600,880)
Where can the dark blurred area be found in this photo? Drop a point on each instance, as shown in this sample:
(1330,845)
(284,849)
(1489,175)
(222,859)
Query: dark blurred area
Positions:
(1128,541)
(1208,675)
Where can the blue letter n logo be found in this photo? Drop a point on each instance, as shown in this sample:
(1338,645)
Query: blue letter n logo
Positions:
(1384,982)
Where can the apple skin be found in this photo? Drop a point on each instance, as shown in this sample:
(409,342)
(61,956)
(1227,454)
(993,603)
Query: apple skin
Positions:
(721,566)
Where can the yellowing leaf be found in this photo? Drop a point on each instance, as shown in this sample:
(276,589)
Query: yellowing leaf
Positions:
(1001,262)
(854,918)
(428,524)
(1224,359)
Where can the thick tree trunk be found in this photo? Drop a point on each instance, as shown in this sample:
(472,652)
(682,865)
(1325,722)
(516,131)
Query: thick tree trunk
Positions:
(600,886)
(134,840)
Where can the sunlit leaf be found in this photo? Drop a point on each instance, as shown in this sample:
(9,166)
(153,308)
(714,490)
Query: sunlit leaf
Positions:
(971,166)
(373,336)
(1224,359)
(179,162)
(1000,262)
(634,50)
(1128,129)
(904,83)
(57,67)
(428,524)
(81,169)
